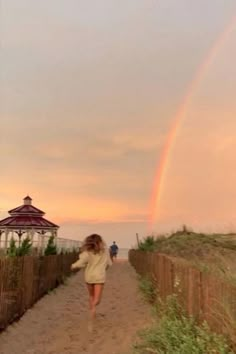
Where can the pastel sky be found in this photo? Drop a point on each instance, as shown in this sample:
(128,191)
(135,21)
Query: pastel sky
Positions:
(88,91)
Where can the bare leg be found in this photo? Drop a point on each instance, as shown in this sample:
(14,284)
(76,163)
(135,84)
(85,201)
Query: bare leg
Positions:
(98,288)
(114,257)
(91,292)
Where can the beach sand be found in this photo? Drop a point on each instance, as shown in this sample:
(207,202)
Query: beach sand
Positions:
(59,323)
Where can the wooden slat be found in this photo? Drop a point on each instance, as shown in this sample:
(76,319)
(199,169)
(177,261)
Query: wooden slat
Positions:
(203,296)
(23,280)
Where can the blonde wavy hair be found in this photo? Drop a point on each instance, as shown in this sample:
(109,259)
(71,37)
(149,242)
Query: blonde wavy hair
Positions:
(93,243)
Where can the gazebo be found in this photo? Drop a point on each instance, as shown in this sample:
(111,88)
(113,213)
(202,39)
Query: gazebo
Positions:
(26,220)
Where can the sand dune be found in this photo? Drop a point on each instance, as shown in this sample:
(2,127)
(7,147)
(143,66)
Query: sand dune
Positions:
(58,324)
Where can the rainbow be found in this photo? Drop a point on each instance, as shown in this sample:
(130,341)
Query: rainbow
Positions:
(178,120)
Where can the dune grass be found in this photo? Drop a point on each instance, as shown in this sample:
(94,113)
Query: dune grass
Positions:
(209,252)
(173,332)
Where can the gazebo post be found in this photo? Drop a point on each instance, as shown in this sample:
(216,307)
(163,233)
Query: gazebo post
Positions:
(19,236)
(1,232)
(32,231)
(43,242)
(6,239)
(38,242)
(54,234)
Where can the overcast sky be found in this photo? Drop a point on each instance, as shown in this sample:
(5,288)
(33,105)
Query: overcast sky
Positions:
(88,92)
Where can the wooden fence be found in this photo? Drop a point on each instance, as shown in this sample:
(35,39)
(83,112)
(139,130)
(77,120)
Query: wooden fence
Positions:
(24,280)
(202,295)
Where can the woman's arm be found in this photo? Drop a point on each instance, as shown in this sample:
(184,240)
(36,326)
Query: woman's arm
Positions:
(82,261)
(109,261)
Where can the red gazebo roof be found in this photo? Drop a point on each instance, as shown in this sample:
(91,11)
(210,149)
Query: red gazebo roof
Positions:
(27,216)
(27,222)
(26,210)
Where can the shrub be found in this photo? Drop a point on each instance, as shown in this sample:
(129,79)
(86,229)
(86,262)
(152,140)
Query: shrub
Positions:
(148,244)
(12,250)
(148,290)
(23,250)
(51,248)
(175,333)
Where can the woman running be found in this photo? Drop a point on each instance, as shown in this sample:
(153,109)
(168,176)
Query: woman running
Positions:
(95,259)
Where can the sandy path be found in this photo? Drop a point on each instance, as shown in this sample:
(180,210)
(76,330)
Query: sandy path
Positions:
(58,324)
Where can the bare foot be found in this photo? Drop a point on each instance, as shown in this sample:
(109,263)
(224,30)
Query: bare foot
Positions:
(93,312)
(90,325)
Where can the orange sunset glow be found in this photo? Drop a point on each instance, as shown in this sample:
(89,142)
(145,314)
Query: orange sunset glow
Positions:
(118,115)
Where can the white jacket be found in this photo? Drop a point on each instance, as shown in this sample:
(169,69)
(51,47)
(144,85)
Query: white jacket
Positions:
(95,266)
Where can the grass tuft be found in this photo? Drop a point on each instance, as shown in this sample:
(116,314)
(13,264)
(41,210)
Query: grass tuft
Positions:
(148,290)
(175,333)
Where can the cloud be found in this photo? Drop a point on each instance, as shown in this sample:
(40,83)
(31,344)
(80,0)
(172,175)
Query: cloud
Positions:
(97,147)
(122,219)
(87,101)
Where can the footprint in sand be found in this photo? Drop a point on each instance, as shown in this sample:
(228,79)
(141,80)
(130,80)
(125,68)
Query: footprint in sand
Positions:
(62,325)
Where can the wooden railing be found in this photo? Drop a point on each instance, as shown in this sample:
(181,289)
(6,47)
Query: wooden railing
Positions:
(24,280)
(202,295)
